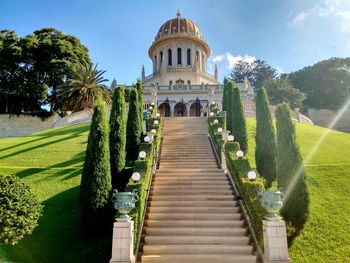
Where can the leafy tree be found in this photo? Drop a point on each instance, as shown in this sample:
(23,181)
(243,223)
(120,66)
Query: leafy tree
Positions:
(117,135)
(281,90)
(256,72)
(139,88)
(96,185)
(265,150)
(133,126)
(32,67)
(19,210)
(83,88)
(239,127)
(290,171)
(325,83)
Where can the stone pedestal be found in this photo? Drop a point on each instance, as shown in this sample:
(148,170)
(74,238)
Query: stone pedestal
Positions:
(123,242)
(275,241)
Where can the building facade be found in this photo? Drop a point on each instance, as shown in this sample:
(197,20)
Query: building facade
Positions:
(180,82)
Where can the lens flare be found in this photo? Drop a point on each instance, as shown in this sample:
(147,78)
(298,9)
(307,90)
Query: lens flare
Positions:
(314,149)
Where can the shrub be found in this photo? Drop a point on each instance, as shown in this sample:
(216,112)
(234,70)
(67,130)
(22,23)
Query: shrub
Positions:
(144,167)
(19,210)
(225,95)
(290,171)
(133,126)
(139,89)
(117,135)
(95,187)
(239,127)
(265,151)
(229,105)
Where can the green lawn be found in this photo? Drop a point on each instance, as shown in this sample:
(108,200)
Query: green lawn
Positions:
(51,162)
(327,232)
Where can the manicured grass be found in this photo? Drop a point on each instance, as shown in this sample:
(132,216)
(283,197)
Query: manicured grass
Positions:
(51,163)
(326,235)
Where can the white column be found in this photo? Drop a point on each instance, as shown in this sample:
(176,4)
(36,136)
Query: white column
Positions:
(275,241)
(172,107)
(123,242)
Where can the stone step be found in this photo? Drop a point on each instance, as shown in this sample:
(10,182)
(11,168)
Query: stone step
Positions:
(191,203)
(194,223)
(192,187)
(196,249)
(180,239)
(192,209)
(196,216)
(191,170)
(202,197)
(190,182)
(179,192)
(199,258)
(185,174)
(194,177)
(179,231)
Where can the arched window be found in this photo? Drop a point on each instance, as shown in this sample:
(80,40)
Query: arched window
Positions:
(170,58)
(155,63)
(188,57)
(170,82)
(188,82)
(179,60)
(161,56)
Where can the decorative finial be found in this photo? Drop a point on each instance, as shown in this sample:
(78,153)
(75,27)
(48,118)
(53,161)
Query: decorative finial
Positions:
(178,13)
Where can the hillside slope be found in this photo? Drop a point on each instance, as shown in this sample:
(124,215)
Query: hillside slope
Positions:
(50,163)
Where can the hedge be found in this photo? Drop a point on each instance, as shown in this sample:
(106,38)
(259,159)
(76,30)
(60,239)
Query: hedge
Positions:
(144,167)
(238,169)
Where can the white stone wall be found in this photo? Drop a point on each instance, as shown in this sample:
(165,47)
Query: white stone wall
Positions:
(15,126)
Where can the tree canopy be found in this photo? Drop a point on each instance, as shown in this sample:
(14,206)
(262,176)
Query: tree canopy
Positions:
(281,90)
(32,67)
(256,72)
(325,83)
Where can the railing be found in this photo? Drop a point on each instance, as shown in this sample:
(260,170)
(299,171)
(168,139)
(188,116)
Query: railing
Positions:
(236,189)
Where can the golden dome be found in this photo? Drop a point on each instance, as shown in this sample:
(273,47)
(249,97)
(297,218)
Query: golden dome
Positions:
(178,26)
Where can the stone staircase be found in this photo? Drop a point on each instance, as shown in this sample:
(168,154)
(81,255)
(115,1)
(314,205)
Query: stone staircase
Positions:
(192,215)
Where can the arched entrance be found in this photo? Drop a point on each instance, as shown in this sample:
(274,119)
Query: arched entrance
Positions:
(164,109)
(195,109)
(180,110)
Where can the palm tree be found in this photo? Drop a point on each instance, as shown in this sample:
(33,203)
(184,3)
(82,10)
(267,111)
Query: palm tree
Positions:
(82,89)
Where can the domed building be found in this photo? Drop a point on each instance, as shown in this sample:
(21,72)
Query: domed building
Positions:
(180,82)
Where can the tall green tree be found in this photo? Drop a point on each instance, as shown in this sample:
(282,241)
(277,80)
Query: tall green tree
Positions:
(83,88)
(239,126)
(96,185)
(265,150)
(117,135)
(139,88)
(290,171)
(281,90)
(133,126)
(228,106)
(113,85)
(224,95)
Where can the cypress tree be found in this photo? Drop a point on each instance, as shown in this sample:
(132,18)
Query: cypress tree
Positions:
(117,135)
(239,127)
(290,171)
(228,104)
(265,150)
(96,183)
(133,126)
(139,88)
(224,96)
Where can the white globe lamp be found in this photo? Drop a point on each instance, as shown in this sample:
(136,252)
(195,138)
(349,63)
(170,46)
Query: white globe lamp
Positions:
(251,175)
(230,138)
(239,154)
(142,155)
(136,176)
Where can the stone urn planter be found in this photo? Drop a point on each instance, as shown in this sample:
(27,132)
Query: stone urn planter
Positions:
(272,202)
(124,202)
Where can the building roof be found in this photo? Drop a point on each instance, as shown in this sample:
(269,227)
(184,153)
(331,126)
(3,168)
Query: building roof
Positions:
(178,25)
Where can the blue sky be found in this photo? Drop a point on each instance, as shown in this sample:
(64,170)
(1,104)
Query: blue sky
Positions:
(288,34)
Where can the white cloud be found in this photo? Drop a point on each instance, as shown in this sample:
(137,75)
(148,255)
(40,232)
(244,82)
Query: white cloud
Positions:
(230,60)
(338,11)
